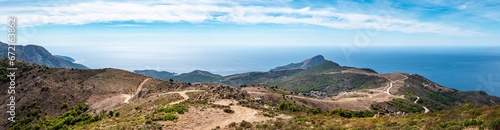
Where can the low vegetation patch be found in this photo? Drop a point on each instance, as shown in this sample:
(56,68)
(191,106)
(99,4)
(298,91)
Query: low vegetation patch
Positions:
(76,116)
(406,106)
(165,117)
(466,116)
(179,108)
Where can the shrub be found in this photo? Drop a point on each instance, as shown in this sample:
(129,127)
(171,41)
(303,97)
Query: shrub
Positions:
(472,122)
(494,124)
(111,113)
(227,110)
(117,114)
(64,105)
(76,116)
(45,89)
(341,112)
(314,110)
(406,106)
(447,124)
(287,106)
(245,124)
(181,109)
(233,124)
(269,114)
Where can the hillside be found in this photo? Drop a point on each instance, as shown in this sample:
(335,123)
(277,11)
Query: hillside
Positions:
(39,55)
(117,99)
(163,75)
(55,88)
(67,58)
(198,76)
(302,65)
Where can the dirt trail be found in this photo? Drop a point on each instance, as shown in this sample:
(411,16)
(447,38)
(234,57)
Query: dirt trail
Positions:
(183,94)
(425,108)
(390,84)
(112,101)
(389,87)
(139,89)
(355,100)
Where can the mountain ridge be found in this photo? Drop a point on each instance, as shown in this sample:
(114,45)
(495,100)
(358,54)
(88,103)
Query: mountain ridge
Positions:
(39,55)
(198,76)
(302,65)
(163,75)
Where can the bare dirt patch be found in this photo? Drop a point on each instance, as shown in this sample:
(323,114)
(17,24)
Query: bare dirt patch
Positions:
(112,101)
(206,118)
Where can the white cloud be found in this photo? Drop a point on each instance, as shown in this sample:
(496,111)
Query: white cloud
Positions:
(219,11)
(462,7)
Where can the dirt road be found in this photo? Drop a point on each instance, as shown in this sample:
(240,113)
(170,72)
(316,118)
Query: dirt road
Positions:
(425,108)
(390,84)
(183,94)
(139,89)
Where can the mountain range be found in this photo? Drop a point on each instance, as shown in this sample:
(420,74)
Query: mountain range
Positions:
(207,77)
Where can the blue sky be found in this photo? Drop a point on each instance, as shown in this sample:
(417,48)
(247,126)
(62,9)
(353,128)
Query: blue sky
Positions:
(95,31)
(469,22)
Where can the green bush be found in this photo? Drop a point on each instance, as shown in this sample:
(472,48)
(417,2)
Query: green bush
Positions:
(233,124)
(494,124)
(181,109)
(314,110)
(269,114)
(472,122)
(448,124)
(287,106)
(349,114)
(245,124)
(227,110)
(117,114)
(406,106)
(76,116)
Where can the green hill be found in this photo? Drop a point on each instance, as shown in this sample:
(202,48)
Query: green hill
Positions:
(198,76)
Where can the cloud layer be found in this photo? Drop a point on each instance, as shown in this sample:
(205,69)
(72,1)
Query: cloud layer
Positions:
(226,12)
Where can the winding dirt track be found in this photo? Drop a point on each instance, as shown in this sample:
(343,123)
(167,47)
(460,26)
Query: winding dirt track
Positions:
(139,89)
(425,108)
(183,94)
(112,101)
(390,84)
